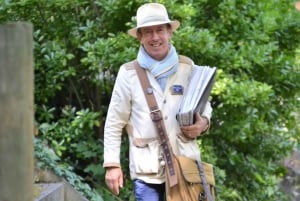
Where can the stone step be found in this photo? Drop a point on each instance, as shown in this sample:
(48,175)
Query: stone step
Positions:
(47,177)
(49,192)
(60,191)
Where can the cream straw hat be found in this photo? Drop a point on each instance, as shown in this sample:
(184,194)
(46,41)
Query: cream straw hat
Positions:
(152,14)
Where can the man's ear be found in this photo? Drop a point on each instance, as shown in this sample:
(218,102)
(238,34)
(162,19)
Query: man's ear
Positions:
(139,36)
(170,32)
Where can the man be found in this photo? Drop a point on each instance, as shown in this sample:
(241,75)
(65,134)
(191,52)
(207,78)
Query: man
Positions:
(128,108)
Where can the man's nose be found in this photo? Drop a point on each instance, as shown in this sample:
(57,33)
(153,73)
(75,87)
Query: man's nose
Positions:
(155,34)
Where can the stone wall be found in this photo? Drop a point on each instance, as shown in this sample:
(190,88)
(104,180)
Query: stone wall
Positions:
(291,183)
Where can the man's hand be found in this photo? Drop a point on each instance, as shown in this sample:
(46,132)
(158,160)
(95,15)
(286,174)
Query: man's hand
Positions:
(114,179)
(193,131)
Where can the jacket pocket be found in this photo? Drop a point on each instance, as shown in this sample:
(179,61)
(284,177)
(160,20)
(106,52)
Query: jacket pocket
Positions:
(187,147)
(145,156)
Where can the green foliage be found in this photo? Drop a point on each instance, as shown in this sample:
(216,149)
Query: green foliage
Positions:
(70,133)
(72,138)
(80,44)
(46,158)
(52,70)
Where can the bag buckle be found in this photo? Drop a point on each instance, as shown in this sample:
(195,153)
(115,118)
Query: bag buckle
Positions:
(202,196)
(156,115)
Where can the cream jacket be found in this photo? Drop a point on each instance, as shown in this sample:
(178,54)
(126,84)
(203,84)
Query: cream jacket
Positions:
(128,109)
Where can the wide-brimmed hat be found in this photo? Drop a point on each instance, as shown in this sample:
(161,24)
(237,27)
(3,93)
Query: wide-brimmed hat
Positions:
(151,14)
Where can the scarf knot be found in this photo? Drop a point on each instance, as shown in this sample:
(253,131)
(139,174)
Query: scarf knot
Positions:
(161,70)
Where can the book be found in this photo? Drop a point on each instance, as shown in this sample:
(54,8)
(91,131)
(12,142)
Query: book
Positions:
(196,95)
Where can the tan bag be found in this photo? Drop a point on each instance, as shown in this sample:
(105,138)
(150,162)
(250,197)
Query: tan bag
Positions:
(189,187)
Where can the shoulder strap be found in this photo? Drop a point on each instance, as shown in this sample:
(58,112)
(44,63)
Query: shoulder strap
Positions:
(204,181)
(157,119)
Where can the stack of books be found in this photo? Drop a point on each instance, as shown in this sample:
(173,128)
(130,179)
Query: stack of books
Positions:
(196,95)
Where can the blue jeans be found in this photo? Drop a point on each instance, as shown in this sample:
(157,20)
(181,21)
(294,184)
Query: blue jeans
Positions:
(148,192)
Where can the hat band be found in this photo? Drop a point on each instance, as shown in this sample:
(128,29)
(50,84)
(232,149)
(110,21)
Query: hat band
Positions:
(153,19)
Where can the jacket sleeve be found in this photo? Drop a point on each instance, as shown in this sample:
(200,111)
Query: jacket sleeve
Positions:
(207,113)
(117,118)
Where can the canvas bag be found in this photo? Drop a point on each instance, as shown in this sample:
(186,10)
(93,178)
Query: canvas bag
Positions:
(190,185)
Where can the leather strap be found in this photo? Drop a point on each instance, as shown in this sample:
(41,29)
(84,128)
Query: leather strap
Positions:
(157,119)
(204,181)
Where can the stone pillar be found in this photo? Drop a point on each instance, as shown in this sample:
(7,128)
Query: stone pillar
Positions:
(16,112)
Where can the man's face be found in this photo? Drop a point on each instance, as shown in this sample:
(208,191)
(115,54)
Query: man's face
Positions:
(155,40)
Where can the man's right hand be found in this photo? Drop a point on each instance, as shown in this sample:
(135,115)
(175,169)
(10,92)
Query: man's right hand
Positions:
(114,179)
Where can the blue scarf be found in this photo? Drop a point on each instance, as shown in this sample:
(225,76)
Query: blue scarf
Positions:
(161,70)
